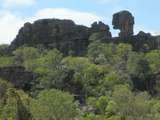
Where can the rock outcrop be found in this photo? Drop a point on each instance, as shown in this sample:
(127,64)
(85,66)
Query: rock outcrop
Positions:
(72,39)
(124,21)
(18,76)
(100,32)
(64,35)
(101,27)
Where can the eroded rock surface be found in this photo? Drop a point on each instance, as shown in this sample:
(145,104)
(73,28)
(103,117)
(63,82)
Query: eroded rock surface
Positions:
(18,76)
(101,27)
(100,32)
(72,39)
(64,35)
(124,21)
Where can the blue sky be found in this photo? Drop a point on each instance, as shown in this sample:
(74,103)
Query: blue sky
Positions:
(14,13)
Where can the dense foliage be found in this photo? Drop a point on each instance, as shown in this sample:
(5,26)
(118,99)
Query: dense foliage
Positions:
(111,82)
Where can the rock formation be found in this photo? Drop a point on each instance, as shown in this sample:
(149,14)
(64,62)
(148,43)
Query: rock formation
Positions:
(64,35)
(124,21)
(101,27)
(72,39)
(100,32)
(18,76)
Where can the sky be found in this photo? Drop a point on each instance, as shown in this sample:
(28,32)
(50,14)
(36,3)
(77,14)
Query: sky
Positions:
(14,13)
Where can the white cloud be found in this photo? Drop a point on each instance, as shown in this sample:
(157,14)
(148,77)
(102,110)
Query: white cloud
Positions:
(10,23)
(155,32)
(78,17)
(146,30)
(11,3)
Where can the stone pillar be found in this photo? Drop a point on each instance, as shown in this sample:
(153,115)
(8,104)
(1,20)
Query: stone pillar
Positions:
(124,21)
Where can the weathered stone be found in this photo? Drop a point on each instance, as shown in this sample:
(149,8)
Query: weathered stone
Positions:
(64,35)
(99,27)
(18,76)
(100,32)
(124,21)
(102,28)
(74,39)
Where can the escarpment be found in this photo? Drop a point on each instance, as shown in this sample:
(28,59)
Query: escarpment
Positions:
(64,35)
(72,39)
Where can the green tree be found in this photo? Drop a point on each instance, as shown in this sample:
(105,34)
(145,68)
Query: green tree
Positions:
(87,78)
(115,78)
(131,106)
(14,104)
(25,56)
(97,50)
(139,70)
(153,58)
(101,53)
(4,50)
(111,109)
(6,61)
(50,70)
(54,105)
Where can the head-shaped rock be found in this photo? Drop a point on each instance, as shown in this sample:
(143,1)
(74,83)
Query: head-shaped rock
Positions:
(124,21)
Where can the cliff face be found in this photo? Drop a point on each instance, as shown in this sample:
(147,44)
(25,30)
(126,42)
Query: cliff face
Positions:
(72,39)
(64,35)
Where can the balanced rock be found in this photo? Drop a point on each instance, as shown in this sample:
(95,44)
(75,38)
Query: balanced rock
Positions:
(124,21)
